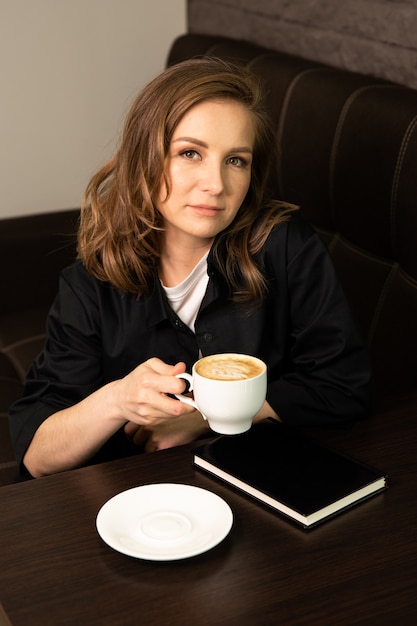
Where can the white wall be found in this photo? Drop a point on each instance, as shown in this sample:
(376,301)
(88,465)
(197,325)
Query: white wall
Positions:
(69,69)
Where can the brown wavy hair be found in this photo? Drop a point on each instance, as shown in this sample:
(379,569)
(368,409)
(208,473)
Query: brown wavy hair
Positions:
(119,233)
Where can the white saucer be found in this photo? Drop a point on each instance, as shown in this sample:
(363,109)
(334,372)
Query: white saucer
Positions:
(164,522)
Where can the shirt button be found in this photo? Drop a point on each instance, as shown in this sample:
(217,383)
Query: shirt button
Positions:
(207,337)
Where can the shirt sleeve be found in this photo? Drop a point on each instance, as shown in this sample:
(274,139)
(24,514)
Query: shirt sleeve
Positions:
(69,367)
(327,378)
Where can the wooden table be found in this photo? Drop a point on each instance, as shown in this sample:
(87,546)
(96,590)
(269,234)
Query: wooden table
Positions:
(358,568)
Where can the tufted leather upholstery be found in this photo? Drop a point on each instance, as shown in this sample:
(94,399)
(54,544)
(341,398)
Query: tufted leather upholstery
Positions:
(33,250)
(347,148)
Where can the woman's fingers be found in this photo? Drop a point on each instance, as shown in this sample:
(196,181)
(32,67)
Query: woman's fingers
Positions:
(145,395)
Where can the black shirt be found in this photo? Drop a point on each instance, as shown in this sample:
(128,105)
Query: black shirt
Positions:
(318,371)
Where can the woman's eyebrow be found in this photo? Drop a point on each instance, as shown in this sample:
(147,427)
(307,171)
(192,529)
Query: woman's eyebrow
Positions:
(198,142)
(203,144)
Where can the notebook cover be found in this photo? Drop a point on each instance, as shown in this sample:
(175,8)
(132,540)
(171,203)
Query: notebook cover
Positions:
(288,466)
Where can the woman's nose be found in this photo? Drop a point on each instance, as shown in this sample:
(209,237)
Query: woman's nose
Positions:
(212,178)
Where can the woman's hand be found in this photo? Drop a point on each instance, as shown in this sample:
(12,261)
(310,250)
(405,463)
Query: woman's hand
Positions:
(142,396)
(168,434)
(69,438)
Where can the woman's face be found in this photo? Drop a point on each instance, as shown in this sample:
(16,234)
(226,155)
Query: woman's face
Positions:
(209,170)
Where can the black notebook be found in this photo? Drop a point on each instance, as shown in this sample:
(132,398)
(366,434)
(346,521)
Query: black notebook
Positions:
(289,471)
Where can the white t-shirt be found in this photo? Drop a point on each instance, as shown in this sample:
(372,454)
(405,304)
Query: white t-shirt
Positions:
(185,298)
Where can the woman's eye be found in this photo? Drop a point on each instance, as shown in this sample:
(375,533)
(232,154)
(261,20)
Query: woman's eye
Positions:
(190,154)
(237,161)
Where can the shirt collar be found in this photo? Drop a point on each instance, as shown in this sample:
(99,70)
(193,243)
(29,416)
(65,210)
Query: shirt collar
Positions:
(156,307)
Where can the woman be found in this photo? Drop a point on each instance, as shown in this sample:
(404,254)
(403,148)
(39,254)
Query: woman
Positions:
(181,254)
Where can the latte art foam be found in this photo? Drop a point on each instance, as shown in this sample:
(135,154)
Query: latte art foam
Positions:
(229,367)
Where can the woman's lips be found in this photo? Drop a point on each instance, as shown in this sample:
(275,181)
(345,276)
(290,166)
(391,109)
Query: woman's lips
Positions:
(206,209)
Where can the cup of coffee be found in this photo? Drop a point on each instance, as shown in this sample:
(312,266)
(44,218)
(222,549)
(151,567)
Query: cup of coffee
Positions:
(229,389)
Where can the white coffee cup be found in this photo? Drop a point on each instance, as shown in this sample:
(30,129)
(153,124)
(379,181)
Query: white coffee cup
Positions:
(229,390)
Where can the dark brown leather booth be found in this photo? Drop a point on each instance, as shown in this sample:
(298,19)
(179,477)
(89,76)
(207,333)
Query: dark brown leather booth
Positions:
(33,250)
(347,154)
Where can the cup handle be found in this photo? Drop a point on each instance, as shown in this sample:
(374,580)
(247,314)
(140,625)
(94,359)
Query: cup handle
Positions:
(185,399)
